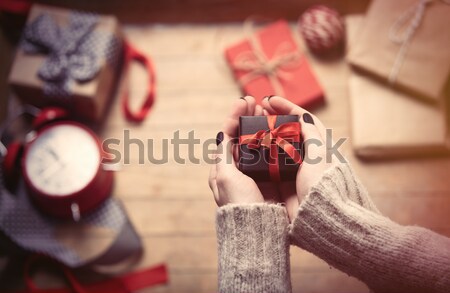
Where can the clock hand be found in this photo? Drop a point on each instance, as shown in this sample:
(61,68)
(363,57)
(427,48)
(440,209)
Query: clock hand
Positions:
(56,166)
(52,152)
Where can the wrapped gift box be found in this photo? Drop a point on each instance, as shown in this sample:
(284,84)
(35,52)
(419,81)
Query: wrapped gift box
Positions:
(68,58)
(388,123)
(424,66)
(291,78)
(256,140)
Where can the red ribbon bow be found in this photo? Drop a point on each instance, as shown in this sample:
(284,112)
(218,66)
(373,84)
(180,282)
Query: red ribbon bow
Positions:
(273,138)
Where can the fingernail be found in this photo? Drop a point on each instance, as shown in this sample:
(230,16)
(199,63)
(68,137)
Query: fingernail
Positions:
(219,138)
(243,98)
(302,148)
(269,97)
(308,119)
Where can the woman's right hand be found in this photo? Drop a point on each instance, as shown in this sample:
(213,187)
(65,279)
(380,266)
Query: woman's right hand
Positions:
(315,162)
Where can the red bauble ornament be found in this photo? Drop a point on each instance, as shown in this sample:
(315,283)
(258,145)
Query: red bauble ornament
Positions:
(323,29)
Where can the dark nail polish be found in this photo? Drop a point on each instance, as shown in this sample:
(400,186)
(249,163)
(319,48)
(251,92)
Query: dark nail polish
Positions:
(269,97)
(308,119)
(303,149)
(219,138)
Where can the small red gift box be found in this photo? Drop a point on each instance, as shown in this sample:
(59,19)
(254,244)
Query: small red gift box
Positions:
(270,63)
(270,147)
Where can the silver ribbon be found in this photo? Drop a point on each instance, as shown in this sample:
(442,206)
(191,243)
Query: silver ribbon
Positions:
(74,52)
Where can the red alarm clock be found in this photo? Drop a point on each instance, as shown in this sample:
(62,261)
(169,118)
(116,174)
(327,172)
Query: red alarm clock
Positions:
(61,163)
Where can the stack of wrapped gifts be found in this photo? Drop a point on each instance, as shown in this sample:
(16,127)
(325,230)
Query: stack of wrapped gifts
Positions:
(399,84)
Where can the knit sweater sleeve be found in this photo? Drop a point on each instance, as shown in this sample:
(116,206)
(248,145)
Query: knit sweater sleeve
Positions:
(360,242)
(253,247)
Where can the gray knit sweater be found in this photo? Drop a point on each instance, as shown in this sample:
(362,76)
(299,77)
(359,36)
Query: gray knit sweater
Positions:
(339,223)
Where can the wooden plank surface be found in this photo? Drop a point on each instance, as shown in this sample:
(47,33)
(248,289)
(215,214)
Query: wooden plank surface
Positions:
(171,204)
(195,91)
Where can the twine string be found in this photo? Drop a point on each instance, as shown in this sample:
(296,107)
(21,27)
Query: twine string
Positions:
(402,31)
(256,63)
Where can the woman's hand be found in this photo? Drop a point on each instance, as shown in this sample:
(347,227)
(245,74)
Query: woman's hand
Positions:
(229,185)
(315,162)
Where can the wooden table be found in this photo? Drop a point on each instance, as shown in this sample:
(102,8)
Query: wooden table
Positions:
(171,204)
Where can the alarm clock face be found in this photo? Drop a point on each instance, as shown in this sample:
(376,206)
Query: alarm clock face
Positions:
(62,160)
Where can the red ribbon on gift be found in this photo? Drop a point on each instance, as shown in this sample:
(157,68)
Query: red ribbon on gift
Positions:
(273,138)
(123,284)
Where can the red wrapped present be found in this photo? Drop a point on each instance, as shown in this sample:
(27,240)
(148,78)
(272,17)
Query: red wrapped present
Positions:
(269,62)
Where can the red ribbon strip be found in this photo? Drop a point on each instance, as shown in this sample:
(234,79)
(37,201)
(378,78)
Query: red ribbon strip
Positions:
(15,6)
(122,284)
(132,54)
(282,136)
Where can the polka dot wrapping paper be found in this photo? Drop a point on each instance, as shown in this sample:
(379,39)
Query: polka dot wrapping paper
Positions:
(68,58)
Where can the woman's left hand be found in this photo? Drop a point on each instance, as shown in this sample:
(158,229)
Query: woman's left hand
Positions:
(228,183)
